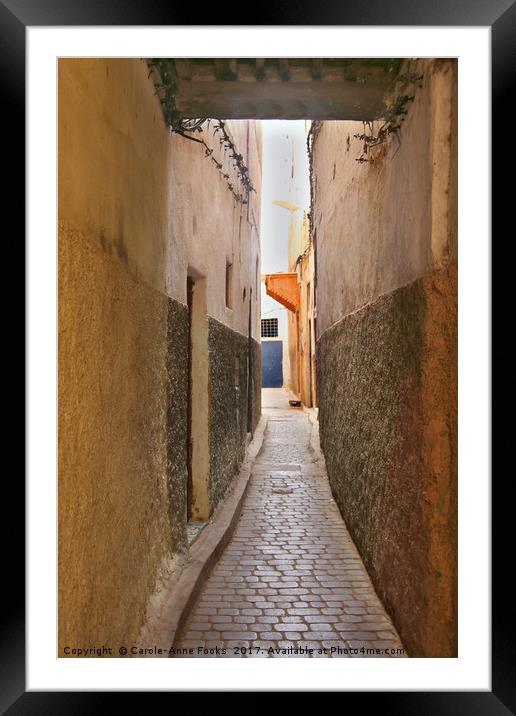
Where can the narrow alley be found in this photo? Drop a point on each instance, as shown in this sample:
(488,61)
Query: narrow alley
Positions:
(290,582)
(257,357)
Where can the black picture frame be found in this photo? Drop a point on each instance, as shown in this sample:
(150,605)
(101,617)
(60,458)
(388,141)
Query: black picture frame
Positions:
(500,15)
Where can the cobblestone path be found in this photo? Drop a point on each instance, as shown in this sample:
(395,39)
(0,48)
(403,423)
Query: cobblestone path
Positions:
(291,579)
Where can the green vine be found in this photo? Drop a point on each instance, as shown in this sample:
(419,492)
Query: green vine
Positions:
(315,127)
(392,119)
(166,89)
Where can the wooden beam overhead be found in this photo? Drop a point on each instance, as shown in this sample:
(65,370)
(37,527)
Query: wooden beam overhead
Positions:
(260,69)
(282,88)
(226,69)
(317,69)
(229,100)
(284,71)
(182,68)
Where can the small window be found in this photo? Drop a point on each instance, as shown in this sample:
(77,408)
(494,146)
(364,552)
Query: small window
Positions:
(229,285)
(269,327)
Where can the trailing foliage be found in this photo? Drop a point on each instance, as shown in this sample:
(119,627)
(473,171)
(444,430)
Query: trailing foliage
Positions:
(166,89)
(392,118)
(314,130)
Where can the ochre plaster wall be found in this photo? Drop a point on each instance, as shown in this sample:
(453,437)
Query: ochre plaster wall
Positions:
(138,209)
(382,224)
(113,500)
(386,253)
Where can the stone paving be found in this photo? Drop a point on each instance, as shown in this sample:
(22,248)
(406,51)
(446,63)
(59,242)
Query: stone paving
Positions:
(290,583)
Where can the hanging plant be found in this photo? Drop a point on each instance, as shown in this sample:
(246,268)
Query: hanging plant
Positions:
(392,118)
(166,89)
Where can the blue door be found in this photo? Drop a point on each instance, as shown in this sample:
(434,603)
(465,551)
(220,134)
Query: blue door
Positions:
(272,364)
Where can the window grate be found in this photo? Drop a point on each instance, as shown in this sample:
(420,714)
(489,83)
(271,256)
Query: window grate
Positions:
(269,327)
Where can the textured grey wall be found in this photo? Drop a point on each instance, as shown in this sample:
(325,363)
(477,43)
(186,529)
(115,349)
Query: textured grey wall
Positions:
(228,405)
(256,384)
(177,372)
(386,237)
(131,224)
(387,386)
